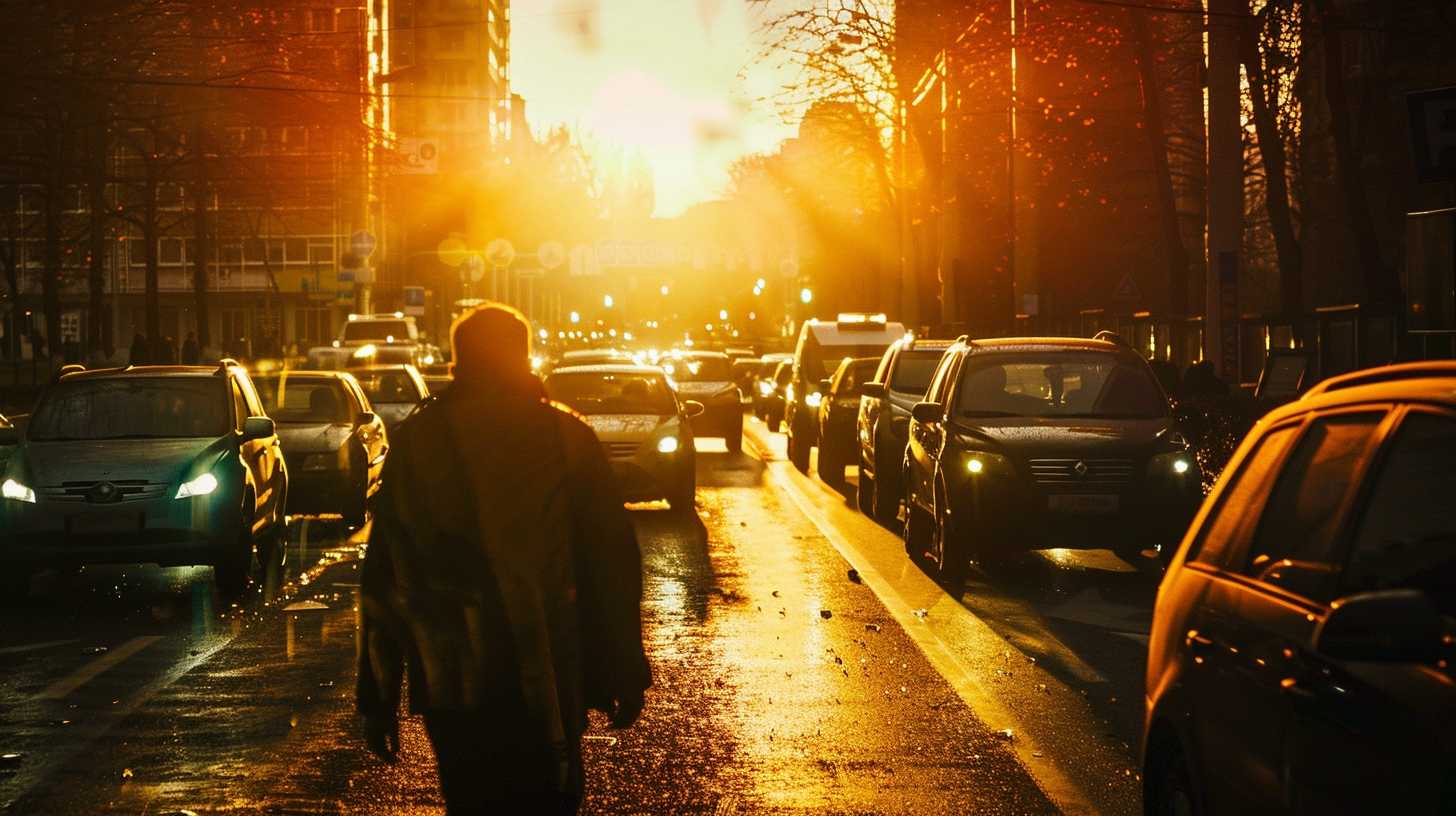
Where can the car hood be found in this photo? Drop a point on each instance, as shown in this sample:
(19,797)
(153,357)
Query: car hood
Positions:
(313,437)
(1051,438)
(154,460)
(627,427)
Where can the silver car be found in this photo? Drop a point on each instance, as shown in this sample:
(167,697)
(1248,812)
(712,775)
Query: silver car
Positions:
(641,423)
(395,391)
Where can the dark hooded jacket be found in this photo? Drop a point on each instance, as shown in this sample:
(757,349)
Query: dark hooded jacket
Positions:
(502,568)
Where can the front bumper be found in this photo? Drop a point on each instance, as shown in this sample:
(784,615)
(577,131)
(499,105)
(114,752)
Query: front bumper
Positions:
(163,531)
(648,475)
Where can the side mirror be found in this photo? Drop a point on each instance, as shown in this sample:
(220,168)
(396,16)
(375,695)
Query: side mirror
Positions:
(927,412)
(873,390)
(365,418)
(692,408)
(1393,626)
(257,428)
(9,436)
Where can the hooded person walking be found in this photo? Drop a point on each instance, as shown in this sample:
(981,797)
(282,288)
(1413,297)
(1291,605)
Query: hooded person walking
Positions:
(503,578)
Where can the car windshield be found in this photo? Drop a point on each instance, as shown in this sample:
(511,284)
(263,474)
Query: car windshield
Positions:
(304,399)
(591,392)
(828,358)
(132,408)
(699,369)
(385,330)
(389,386)
(913,371)
(1059,384)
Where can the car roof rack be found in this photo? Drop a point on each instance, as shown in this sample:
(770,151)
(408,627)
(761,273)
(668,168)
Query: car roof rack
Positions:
(1392,373)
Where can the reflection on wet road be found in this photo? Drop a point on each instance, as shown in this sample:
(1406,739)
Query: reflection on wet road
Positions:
(802,664)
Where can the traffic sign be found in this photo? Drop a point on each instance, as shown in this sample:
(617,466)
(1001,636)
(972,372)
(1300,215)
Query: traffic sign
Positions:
(421,157)
(362,242)
(414,300)
(1127,289)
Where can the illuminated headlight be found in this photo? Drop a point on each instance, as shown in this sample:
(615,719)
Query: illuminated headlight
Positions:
(16,491)
(765,388)
(975,464)
(667,444)
(1180,466)
(201,486)
(813,399)
(365,351)
(984,464)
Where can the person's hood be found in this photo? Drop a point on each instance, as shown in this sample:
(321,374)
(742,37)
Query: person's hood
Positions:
(313,437)
(153,460)
(1036,437)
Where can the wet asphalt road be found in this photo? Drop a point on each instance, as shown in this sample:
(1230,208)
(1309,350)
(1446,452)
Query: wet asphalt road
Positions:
(783,684)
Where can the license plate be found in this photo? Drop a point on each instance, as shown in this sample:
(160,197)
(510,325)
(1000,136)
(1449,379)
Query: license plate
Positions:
(1083,504)
(105,523)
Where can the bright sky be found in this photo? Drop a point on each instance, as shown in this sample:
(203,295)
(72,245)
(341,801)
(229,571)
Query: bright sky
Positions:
(671,80)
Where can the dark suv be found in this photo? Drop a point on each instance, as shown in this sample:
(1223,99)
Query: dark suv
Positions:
(1028,443)
(172,465)
(1301,647)
(884,421)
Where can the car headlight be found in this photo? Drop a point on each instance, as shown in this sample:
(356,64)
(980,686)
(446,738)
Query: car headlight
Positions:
(1176,465)
(765,388)
(1180,465)
(16,491)
(200,486)
(667,444)
(984,464)
(814,399)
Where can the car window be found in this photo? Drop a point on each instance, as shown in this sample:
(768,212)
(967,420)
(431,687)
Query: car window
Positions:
(1407,538)
(132,408)
(886,362)
(590,392)
(1242,501)
(938,387)
(1059,383)
(254,405)
(389,386)
(305,399)
(913,371)
(1294,547)
(240,406)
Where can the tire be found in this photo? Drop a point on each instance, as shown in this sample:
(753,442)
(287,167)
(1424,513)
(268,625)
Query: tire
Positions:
(234,568)
(831,468)
(683,498)
(948,546)
(865,495)
(798,452)
(886,498)
(775,420)
(1167,784)
(734,438)
(915,533)
(273,547)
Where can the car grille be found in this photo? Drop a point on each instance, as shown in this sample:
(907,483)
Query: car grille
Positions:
(1099,473)
(621,450)
(126,490)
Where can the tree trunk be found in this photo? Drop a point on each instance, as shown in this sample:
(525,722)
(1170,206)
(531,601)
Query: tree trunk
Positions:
(99,146)
(151,232)
(1380,286)
(202,238)
(51,275)
(1177,253)
(1276,179)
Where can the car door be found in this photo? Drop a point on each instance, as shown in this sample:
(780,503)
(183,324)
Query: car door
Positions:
(922,450)
(870,408)
(1367,736)
(1255,623)
(270,472)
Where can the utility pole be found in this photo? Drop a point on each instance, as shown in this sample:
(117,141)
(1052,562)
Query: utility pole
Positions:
(1225,188)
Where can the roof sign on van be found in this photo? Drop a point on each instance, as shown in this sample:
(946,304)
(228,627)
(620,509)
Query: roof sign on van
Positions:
(861,320)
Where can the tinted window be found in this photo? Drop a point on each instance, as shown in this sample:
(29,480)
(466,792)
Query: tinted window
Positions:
(1295,543)
(784,373)
(595,393)
(1242,500)
(1407,539)
(1051,384)
(360,330)
(298,399)
(240,406)
(132,407)
(913,371)
(699,369)
(389,386)
(938,385)
(820,362)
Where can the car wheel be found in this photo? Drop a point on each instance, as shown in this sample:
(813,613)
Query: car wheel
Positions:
(1167,784)
(831,468)
(234,568)
(865,495)
(887,496)
(684,498)
(916,532)
(798,451)
(948,545)
(775,420)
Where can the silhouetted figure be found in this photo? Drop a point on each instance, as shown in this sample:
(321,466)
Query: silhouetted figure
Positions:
(167,351)
(1201,381)
(138,353)
(190,353)
(503,574)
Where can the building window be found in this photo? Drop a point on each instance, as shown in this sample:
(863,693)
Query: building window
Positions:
(296,250)
(170,251)
(321,20)
(313,326)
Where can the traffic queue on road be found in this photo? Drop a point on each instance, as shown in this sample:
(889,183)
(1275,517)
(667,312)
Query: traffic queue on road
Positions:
(1302,639)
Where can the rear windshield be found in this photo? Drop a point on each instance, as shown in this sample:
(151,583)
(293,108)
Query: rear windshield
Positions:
(384,330)
(590,392)
(133,408)
(389,386)
(1060,384)
(699,369)
(304,399)
(824,361)
(913,370)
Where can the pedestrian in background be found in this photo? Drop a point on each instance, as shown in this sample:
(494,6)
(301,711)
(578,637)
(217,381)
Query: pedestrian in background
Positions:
(503,575)
(190,354)
(138,354)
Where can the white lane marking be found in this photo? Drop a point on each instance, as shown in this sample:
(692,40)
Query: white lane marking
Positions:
(80,677)
(36,647)
(1066,794)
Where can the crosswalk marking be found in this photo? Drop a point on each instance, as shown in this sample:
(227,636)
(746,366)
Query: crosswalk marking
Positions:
(64,686)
